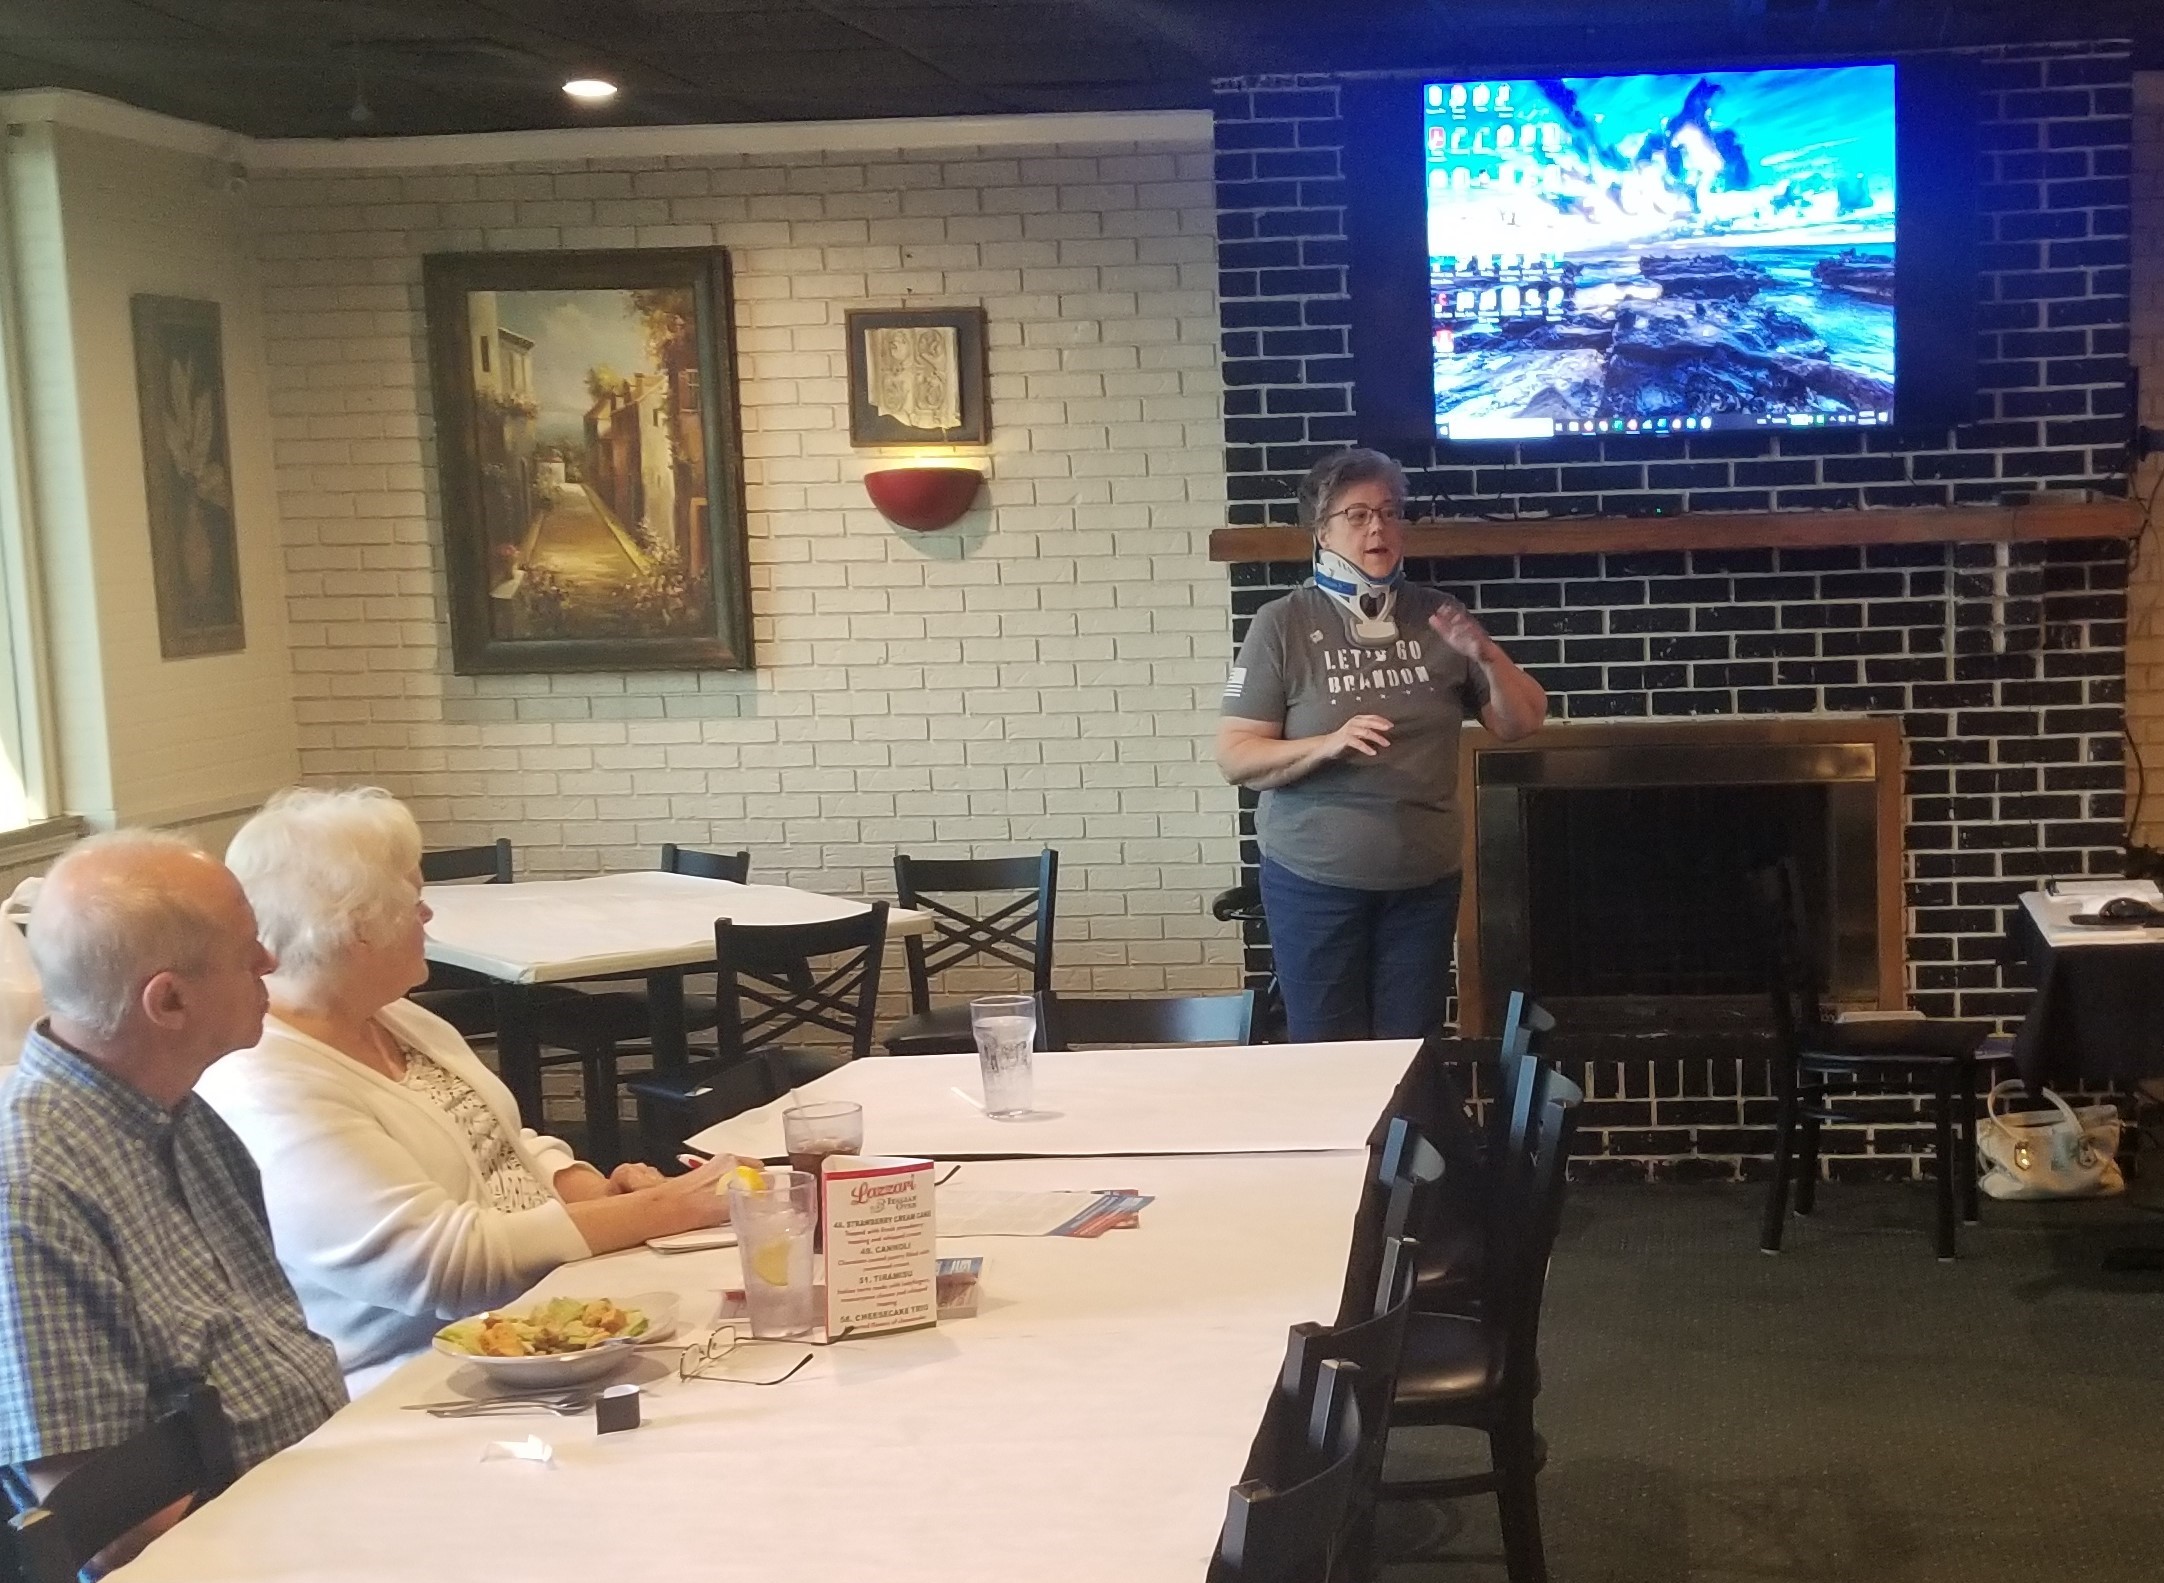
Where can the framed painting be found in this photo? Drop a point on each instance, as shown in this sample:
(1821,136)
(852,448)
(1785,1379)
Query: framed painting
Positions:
(591,460)
(187,476)
(917,377)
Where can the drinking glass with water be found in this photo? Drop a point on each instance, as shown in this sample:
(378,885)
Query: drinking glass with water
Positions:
(1006,1031)
(774,1237)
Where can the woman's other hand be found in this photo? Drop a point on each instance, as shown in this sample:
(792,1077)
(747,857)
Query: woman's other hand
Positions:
(1367,735)
(621,1219)
(1460,633)
(579,1183)
(698,1198)
(631,1176)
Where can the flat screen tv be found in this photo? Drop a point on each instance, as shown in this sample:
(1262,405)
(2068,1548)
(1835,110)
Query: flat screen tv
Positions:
(1664,254)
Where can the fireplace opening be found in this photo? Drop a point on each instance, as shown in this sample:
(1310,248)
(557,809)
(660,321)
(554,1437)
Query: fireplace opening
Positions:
(1641,890)
(1609,867)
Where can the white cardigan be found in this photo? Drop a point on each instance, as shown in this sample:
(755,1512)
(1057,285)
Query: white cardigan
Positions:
(377,1205)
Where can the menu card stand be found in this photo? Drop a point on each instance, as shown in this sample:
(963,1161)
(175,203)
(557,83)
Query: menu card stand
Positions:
(880,1239)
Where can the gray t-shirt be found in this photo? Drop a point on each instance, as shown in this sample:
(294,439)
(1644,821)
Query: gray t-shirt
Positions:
(1390,822)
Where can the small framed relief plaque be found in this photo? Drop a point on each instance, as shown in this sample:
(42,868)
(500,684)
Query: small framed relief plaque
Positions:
(917,377)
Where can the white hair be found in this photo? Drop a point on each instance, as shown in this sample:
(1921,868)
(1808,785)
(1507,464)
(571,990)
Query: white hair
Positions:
(324,869)
(97,940)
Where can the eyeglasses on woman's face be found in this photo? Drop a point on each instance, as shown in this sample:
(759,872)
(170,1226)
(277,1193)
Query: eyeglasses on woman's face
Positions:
(1362,517)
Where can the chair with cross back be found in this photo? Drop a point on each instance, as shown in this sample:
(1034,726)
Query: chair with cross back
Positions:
(1015,933)
(777,986)
(463,998)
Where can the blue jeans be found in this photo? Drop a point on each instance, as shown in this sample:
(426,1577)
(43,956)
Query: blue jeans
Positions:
(1360,964)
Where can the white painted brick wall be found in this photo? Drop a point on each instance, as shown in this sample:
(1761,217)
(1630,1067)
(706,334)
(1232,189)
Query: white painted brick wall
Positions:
(1047,673)
(2145,597)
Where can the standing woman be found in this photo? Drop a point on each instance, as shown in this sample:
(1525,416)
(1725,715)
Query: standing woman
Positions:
(1344,710)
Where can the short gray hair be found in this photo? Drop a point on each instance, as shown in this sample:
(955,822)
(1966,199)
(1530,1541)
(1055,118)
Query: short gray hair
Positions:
(324,869)
(97,941)
(1339,471)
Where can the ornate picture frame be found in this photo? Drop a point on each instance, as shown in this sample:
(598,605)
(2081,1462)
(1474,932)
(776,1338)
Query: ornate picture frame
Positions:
(591,459)
(917,376)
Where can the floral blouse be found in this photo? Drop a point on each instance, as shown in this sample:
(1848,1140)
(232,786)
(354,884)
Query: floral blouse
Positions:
(510,1184)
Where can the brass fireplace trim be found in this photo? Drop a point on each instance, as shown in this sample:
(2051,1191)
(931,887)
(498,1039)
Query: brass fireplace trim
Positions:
(1847,749)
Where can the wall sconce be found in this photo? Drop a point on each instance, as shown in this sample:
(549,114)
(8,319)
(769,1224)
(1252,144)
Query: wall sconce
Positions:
(926,498)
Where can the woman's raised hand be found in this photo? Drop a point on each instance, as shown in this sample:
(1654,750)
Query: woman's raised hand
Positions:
(1455,625)
(1364,734)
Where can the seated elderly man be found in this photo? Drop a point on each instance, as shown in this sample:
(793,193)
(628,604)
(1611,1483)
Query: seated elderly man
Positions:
(135,1257)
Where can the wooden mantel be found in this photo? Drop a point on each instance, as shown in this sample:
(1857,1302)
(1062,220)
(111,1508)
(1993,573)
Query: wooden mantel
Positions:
(1457,537)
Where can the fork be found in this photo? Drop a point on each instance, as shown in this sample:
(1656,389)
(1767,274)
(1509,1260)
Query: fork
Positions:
(566,1406)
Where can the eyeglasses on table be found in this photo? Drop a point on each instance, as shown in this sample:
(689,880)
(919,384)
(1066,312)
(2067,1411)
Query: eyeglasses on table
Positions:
(732,1355)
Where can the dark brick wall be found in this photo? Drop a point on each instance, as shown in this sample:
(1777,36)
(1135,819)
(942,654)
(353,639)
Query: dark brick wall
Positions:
(2052,292)
(2009,679)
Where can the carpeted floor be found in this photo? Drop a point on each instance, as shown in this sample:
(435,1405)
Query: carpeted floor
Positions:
(1850,1409)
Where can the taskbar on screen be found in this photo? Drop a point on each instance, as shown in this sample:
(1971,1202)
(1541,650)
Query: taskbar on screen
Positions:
(1513,428)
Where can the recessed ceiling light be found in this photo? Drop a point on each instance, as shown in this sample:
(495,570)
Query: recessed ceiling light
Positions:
(590,90)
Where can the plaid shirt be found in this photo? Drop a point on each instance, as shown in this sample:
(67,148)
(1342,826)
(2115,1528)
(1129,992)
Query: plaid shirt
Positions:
(135,1260)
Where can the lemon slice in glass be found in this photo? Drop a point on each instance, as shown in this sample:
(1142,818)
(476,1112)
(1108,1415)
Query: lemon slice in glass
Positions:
(770,1264)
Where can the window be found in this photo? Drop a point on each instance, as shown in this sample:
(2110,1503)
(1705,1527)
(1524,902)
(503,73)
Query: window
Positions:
(29,779)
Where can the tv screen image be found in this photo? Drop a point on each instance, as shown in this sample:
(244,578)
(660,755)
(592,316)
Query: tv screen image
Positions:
(1661,253)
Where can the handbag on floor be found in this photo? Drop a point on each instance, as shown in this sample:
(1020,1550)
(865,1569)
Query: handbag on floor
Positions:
(2060,1152)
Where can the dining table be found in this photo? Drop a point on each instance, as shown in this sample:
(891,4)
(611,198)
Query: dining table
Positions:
(647,924)
(1086,1423)
(2097,1020)
(1206,1099)
(2098,1015)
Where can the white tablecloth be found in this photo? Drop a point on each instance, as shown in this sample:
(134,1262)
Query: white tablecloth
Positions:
(547,931)
(1083,1428)
(1214,1100)
(2050,913)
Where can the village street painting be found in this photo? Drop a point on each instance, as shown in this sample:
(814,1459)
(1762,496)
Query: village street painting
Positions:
(581,456)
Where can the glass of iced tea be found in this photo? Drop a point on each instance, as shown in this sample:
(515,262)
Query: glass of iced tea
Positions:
(809,1133)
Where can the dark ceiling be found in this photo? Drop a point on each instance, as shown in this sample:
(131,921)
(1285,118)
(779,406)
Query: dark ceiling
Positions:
(340,68)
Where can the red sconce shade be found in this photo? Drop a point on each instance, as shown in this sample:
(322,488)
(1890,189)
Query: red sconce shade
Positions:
(923,498)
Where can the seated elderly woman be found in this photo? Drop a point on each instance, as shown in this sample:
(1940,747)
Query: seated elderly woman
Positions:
(402,1191)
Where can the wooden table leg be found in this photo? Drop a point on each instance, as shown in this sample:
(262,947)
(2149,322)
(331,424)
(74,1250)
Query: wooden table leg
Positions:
(518,1051)
(665,1013)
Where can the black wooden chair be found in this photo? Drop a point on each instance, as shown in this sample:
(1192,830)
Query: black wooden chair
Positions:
(1078,1022)
(1243,905)
(188,1452)
(463,998)
(1290,1531)
(1525,1025)
(1482,1371)
(1016,933)
(774,984)
(1820,1065)
(595,1025)
(1455,1235)
(735,867)
(1375,1345)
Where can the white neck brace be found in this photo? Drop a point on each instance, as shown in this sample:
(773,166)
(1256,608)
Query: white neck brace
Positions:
(1367,603)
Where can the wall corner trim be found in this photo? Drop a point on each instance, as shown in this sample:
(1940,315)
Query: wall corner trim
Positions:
(91,113)
(88,112)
